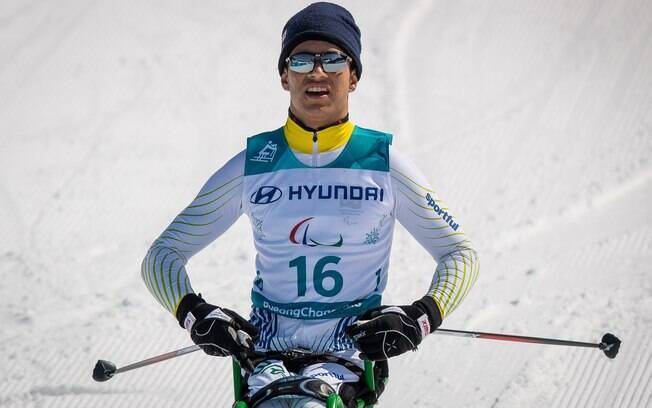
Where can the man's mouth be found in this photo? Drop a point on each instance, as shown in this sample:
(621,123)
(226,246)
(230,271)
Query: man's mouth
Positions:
(317,91)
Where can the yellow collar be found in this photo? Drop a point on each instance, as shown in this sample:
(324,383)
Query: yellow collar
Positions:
(328,139)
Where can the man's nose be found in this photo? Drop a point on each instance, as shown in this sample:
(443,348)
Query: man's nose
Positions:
(317,69)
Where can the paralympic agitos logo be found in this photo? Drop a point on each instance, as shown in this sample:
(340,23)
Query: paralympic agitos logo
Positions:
(305,240)
(266,195)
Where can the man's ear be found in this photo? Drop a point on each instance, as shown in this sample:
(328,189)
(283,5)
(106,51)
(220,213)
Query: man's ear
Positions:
(353,81)
(284,80)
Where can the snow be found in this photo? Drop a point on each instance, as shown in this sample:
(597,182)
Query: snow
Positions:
(532,119)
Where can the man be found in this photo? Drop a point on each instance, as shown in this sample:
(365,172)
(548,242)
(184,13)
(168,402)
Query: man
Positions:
(322,196)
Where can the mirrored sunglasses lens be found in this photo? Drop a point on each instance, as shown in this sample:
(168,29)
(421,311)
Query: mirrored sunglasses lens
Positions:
(301,66)
(334,62)
(334,66)
(301,63)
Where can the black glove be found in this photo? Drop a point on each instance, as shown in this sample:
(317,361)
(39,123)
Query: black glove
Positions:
(218,331)
(388,331)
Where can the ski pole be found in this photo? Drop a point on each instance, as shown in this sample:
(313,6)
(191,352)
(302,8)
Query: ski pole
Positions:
(609,344)
(105,369)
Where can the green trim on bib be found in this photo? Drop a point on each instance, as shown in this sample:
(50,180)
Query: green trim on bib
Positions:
(316,310)
(366,150)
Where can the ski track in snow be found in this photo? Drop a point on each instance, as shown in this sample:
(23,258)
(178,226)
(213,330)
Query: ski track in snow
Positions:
(533,120)
(411,18)
(632,388)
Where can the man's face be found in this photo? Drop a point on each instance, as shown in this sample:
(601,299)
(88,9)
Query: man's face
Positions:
(319,98)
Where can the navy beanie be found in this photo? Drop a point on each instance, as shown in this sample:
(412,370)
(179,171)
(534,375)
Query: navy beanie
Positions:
(326,22)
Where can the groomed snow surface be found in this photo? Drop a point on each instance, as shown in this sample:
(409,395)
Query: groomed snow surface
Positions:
(532,119)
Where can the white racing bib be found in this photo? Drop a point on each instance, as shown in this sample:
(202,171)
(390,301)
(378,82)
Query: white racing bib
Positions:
(322,234)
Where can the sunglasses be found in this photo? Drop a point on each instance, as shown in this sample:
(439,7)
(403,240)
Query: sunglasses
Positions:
(331,61)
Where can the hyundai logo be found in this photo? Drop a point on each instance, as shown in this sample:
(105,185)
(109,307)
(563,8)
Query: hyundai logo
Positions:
(266,195)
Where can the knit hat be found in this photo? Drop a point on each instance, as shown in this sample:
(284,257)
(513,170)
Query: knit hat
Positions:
(326,22)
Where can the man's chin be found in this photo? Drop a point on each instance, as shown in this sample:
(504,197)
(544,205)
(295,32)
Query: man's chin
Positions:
(318,109)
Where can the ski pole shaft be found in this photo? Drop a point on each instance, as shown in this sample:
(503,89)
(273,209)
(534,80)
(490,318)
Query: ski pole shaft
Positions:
(515,338)
(609,344)
(158,359)
(106,369)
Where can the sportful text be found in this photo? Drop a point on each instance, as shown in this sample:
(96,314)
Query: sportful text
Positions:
(445,215)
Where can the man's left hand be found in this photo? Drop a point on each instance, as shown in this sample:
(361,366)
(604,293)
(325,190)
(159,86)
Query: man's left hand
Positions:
(388,331)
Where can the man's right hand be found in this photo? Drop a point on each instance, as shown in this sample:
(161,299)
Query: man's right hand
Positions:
(218,331)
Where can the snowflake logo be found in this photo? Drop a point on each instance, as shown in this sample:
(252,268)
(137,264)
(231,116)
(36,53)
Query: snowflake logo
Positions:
(372,237)
(258,226)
